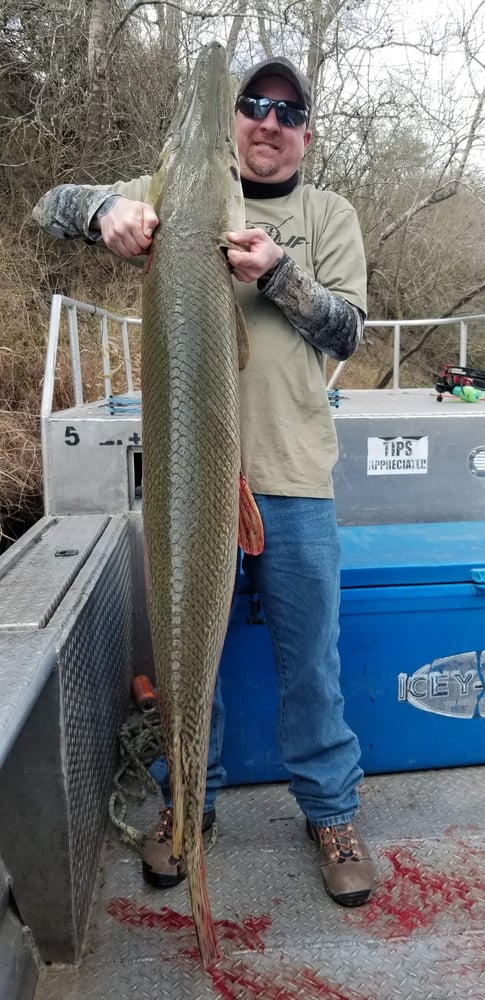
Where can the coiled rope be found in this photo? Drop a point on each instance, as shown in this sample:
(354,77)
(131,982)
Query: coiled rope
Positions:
(140,743)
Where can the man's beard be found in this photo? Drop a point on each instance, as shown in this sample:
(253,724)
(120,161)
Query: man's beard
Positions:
(260,166)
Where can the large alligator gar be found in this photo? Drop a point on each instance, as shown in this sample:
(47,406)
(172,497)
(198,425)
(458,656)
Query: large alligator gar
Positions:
(191,449)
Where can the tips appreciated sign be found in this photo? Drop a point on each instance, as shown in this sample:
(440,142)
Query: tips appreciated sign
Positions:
(397,456)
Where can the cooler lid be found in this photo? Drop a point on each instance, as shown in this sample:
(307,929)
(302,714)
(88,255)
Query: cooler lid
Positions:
(393,554)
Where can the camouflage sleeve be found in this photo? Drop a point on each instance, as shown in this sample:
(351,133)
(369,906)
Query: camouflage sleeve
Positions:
(330,323)
(66,212)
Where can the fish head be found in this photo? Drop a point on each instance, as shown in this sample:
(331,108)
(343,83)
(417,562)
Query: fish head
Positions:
(198,169)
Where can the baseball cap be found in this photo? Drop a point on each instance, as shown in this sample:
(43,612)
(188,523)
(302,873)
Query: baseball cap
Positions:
(279,66)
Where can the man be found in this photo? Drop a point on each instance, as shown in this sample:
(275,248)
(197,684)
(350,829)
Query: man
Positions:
(300,279)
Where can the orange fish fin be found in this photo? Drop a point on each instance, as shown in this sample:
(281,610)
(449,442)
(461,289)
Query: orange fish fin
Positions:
(251,532)
(201,911)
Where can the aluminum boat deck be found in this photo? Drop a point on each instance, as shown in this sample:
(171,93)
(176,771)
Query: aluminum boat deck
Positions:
(281,938)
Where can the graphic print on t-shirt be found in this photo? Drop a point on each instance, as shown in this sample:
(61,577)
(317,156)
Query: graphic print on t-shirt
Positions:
(280,233)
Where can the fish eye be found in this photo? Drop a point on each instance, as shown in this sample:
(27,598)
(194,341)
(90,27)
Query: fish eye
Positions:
(234,173)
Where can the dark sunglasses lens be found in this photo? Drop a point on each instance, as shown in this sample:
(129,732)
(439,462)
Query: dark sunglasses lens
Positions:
(292,117)
(259,107)
(248,107)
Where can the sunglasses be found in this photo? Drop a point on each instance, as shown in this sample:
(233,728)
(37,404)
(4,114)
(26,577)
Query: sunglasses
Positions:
(287,113)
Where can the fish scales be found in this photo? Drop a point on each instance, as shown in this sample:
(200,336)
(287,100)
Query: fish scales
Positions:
(191,448)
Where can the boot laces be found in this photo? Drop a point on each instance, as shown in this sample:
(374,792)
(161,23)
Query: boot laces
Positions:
(164,831)
(165,828)
(342,839)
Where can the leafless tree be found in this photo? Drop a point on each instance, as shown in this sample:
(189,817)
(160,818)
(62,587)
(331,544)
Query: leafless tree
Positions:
(88,87)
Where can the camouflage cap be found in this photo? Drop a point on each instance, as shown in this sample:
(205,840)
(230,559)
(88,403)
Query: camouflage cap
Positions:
(279,66)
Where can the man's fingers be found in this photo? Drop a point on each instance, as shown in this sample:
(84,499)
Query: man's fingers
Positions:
(247,236)
(131,247)
(125,243)
(236,257)
(263,255)
(149,221)
(236,237)
(244,271)
(128,228)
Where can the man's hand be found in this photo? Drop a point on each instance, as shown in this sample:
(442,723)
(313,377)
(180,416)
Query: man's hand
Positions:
(258,254)
(128,227)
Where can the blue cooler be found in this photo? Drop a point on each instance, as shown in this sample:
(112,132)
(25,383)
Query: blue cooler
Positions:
(412,647)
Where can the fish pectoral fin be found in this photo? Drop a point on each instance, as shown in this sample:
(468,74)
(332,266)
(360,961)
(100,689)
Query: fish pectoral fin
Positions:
(251,532)
(242,338)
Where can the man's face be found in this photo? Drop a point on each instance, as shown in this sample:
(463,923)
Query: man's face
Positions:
(269,151)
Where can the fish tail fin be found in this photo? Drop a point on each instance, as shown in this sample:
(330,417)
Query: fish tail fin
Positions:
(201,911)
(251,532)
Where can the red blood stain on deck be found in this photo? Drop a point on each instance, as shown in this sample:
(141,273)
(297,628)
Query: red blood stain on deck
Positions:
(234,980)
(415,894)
(244,935)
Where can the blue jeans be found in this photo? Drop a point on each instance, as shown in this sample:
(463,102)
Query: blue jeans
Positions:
(298,579)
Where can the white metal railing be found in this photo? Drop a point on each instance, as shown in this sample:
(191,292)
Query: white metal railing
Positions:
(462,322)
(73,307)
(60,302)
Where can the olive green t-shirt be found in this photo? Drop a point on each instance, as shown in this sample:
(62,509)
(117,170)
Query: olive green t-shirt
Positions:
(288,439)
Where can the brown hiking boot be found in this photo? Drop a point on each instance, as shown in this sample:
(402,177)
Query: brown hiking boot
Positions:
(160,868)
(347,869)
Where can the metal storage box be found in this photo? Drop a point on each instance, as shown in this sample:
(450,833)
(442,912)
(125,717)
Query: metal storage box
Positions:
(412,648)
(405,457)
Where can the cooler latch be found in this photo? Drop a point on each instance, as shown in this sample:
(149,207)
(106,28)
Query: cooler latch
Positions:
(478,577)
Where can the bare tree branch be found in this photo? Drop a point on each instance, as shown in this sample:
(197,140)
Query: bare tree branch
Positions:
(189,11)
(235,29)
(97,123)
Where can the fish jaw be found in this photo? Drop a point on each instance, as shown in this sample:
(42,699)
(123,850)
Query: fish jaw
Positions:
(197,182)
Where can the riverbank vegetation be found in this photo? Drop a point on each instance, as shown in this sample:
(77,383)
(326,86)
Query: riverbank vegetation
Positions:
(87,90)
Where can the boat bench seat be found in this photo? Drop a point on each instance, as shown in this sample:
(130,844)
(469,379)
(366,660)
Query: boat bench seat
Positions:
(66,661)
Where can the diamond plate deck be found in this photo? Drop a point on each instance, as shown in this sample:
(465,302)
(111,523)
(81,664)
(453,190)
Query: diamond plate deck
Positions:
(281,938)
